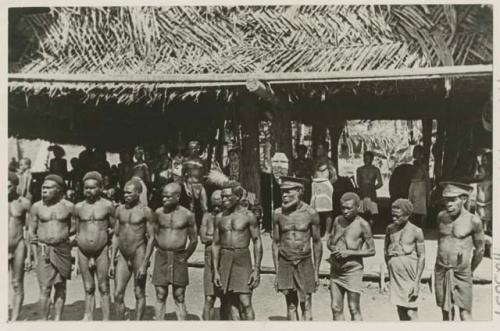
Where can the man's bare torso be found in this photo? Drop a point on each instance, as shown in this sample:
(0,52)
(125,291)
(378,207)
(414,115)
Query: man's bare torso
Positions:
(348,235)
(172,233)
(132,229)
(17,220)
(455,239)
(234,229)
(295,230)
(54,221)
(93,225)
(406,237)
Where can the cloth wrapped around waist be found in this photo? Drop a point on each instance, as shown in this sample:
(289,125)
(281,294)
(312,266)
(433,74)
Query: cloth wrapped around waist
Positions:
(296,273)
(57,257)
(453,286)
(170,267)
(347,273)
(402,272)
(235,267)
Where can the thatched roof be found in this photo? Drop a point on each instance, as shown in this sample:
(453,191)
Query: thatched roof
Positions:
(236,40)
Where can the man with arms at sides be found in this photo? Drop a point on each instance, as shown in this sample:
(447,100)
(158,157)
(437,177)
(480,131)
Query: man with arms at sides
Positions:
(174,225)
(404,253)
(51,225)
(369,181)
(296,225)
(347,242)
(134,237)
(94,224)
(233,273)
(19,259)
(460,250)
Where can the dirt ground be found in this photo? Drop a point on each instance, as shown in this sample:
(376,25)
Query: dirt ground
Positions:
(268,305)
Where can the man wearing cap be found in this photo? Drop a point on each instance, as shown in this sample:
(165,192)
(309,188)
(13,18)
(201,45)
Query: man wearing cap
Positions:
(350,241)
(94,224)
(460,250)
(19,260)
(296,225)
(50,228)
(233,272)
(176,239)
(404,252)
(133,236)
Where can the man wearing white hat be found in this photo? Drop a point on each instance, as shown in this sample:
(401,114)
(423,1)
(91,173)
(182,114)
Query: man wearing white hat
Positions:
(460,250)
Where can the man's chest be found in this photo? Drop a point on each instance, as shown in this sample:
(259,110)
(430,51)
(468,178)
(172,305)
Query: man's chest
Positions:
(131,216)
(58,212)
(233,223)
(459,228)
(172,221)
(296,221)
(90,212)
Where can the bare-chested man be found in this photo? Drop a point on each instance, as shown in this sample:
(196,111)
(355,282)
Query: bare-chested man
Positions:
(296,225)
(50,229)
(347,242)
(174,225)
(404,253)
(460,250)
(206,236)
(94,222)
(19,260)
(233,272)
(134,238)
(369,181)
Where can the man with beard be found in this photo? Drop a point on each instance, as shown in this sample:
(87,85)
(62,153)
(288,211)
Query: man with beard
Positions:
(297,272)
(50,228)
(404,252)
(19,260)
(94,222)
(174,225)
(460,250)
(350,241)
(133,227)
(206,236)
(233,272)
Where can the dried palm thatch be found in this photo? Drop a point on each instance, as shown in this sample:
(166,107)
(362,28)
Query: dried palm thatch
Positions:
(197,40)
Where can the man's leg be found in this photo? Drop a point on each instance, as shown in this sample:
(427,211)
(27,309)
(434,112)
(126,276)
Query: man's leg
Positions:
(448,315)
(122,276)
(225,306)
(337,301)
(292,302)
(328,223)
(88,286)
(18,279)
(306,307)
(180,305)
(208,308)
(354,309)
(139,284)
(102,267)
(59,299)
(161,297)
(412,314)
(245,306)
(46,275)
(465,315)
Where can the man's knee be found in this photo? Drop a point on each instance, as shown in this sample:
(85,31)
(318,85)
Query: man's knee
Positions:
(60,290)
(119,296)
(104,288)
(161,294)
(45,291)
(179,296)
(209,300)
(89,288)
(139,293)
(245,301)
(17,286)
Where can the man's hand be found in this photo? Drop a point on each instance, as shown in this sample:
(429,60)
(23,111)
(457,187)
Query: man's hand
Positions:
(414,291)
(217,280)
(341,254)
(276,283)
(254,279)
(27,264)
(111,271)
(141,273)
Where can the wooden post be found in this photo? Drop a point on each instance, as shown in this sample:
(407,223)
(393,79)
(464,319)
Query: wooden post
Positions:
(427,136)
(335,133)
(250,158)
(281,132)
(438,151)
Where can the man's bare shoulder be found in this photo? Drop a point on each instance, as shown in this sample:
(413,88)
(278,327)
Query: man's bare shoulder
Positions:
(68,204)
(278,211)
(363,223)
(107,203)
(25,203)
(185,211)
(442,215)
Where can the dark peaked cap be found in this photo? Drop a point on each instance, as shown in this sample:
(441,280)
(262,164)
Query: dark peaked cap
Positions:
(455,189)
(292,182)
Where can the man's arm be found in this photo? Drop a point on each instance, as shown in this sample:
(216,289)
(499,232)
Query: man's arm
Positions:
(333,172)
(379,182)
(112,220)
(369,249)
(150,228)
(215,251)
(276,241)
(203,200)
(358,176)
(193,238)
(420,243)
(32,230)
(317,245)
(114,240)
(204,236)
(72,223)
(478,241)
(387,240)
(329,243)
(253,226)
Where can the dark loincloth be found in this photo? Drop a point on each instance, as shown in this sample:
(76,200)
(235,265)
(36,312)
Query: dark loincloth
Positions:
(296,273)
(170,267)
(54,263)
(235,267)
(453,286)
(347,273)
(208,272)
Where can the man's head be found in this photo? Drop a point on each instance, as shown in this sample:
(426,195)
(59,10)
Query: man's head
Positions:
(12,183)
(349,205)
(233,155)
(301,151)
(171,194)
(231,194)
(322,149)
(418,152)
(52,188)
(216,200)
(368,158)
(193,168)
(24,164)
(455,196)
(401,211)
(139,153)
(291,191)
(193,148)
(92,185)
(74,162)
(58,151)
(132,191)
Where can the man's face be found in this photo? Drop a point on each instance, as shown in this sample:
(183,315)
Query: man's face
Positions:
(453,205)
(194,148)
(91,189)
(139,154)
(50,190)
(130,194)
(170,197)
(229,199)
(290,197)
(11,187)
(216,202)
(194,172)
(24,165)
(367,159)
(398,217)
(349,209)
